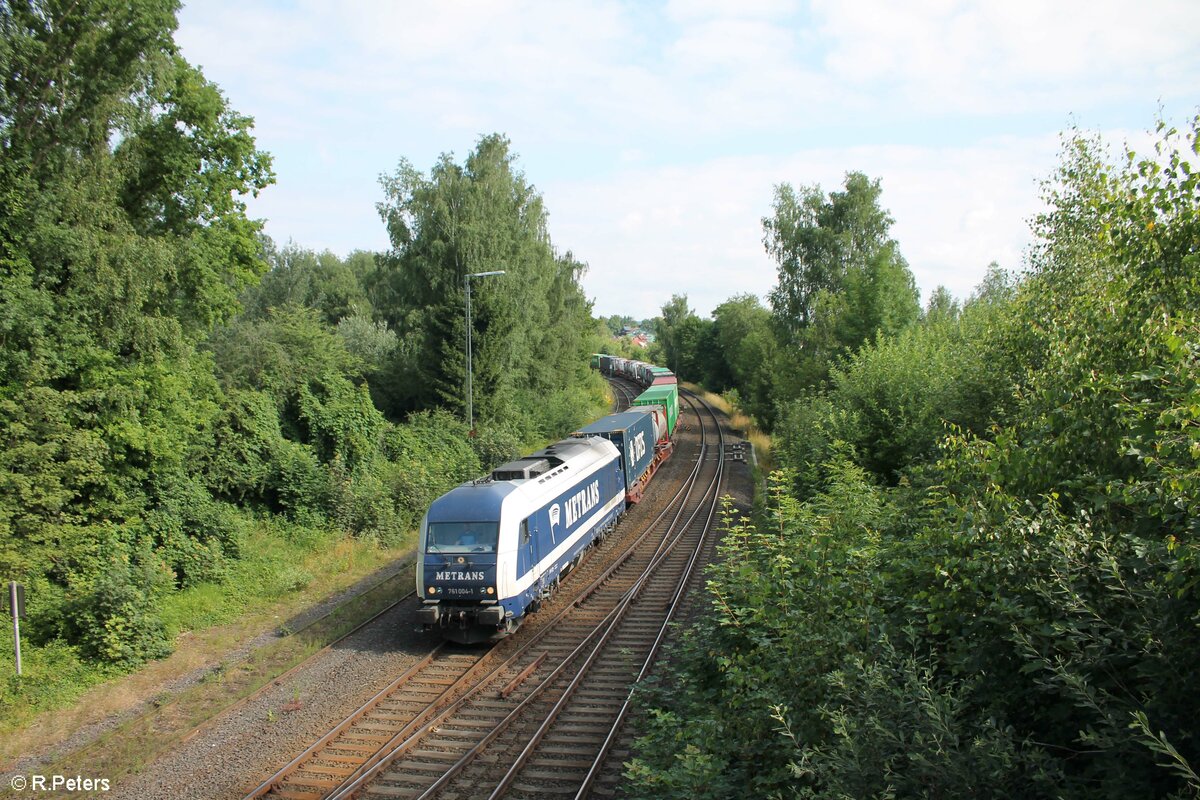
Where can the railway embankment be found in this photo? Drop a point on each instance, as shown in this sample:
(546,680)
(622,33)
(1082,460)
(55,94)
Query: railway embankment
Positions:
(250,728)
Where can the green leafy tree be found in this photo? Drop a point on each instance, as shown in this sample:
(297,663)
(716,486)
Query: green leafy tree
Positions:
(746,343)
(529,326)
(677,328)
(123,241)
(618,322)
(942,306)
(842,280)
(322,281)
(1004,606)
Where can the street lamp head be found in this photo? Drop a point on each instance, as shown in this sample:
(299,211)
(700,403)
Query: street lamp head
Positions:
(485,274)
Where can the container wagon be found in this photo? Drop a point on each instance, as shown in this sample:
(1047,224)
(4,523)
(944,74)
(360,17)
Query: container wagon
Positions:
(636,434)
(665,396)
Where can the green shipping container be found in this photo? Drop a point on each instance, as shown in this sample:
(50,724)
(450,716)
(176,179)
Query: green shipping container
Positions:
(665,396)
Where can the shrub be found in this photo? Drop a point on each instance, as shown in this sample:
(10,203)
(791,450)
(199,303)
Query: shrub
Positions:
(899,730)
(114,617)
(429,455)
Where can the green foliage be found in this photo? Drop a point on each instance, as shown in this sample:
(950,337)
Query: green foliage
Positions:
(678,337)
(194,534)
(1009,490)
(321,281)
(125,241)
(372,343)
(743,351)
(429,455)
(115,615)
(281,352)
(53,675)
(897,730)
(617,322)
(529,326)
(170,381)
(842,285)
(238,458)
(788,602)
(894,402)
(842,279)
(341,422)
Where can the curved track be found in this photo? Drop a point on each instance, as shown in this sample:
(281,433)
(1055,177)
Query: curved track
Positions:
(624,392)
(540,712)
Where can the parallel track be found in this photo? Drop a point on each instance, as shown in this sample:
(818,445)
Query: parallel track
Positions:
(540,712)
(624,392)
(566,754)
(285,675)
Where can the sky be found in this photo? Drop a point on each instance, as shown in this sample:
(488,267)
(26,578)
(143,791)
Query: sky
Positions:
(656,132)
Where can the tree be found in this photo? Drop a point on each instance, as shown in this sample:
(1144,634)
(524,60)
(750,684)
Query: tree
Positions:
(618,322)
(671,325)
(977,575)
(323,281)
(123,241)
(842,280)
(817,242)
(528,325)
(942,306)
(746,343)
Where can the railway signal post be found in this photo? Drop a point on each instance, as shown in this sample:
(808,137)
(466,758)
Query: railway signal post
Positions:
(16,603)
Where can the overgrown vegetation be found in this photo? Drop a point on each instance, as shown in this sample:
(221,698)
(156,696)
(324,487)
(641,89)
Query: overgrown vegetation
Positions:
(976,574)
(179,395)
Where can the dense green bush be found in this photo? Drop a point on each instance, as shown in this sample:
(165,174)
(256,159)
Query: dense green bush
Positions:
(895,401)
(790,599)
(429,455)
(114,615)
(194,534)
(897,729)
(1005,606)
(171,381)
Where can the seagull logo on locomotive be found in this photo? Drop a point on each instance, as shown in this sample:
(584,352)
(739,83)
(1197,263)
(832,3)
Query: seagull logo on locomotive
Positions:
(494,549)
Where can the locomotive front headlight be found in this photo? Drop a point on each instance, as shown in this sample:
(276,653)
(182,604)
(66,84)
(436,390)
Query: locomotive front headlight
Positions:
(491,590)
(432,590)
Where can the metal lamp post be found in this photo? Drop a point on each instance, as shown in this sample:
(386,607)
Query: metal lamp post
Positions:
(470,396)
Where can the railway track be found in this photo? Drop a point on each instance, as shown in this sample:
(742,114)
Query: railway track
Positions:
(541,712)
(624,392)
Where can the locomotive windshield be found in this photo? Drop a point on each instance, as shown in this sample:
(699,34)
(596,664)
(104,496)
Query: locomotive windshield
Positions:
(462,537)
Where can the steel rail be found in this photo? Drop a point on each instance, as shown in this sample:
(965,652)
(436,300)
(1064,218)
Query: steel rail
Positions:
(606,747)
(713,491)
(278,779)
(295,668)
(405,741)
(266,786)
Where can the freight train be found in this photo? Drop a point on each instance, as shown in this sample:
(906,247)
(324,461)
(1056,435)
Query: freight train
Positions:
(494,549)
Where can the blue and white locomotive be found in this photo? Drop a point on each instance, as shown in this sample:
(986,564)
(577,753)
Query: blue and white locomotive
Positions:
(493,549)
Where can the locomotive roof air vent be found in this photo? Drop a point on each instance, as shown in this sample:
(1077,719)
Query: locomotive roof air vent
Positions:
(521,469)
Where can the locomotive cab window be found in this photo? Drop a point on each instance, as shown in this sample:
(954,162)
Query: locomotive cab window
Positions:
(462,537)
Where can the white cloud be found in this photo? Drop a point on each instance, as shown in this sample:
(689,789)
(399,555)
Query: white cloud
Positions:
(656,131)
(1017,56)
(648,234)
(686,10)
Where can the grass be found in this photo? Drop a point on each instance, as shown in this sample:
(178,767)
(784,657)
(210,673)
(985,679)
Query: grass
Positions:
(744,425)
(284,569)
(139,741)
